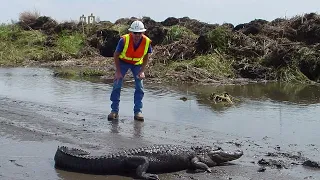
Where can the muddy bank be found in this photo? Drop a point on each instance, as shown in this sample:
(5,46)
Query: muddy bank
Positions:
(31,132)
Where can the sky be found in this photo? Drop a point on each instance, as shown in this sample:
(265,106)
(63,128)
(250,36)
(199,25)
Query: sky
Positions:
(209,11)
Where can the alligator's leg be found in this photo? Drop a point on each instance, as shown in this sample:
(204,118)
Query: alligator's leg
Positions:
(141,164)
(200,165)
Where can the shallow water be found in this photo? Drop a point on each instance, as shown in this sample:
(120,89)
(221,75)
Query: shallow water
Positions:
(287,113)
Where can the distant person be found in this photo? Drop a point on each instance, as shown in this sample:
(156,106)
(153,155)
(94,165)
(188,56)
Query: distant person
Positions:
(132,52)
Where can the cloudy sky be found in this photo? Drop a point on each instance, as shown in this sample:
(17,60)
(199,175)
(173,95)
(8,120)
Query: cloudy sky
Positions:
(211,11)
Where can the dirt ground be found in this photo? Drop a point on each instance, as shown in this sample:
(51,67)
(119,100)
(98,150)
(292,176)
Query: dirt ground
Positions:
(31,132)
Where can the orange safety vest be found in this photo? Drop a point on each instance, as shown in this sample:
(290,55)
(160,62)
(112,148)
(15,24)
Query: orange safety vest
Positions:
(132,56)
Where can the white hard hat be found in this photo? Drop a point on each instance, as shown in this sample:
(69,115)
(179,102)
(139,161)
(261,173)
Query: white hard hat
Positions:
(137,26)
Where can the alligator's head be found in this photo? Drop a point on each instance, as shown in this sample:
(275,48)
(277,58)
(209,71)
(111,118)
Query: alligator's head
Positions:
(220,156)
(216,154)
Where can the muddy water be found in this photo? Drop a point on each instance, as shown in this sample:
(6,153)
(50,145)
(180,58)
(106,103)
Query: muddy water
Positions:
(272,114)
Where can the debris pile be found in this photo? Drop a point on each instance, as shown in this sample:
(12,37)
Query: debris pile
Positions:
(259,49)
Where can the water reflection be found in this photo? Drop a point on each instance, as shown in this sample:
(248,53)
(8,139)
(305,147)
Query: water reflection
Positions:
(303,94)
(137,127)
(115,128)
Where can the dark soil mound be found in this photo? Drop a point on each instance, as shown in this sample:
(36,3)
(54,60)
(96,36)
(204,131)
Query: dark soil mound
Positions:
(254,27)
(170,21)
(67,27)
(44,23)
(106,42)
(157,34)
(196,26)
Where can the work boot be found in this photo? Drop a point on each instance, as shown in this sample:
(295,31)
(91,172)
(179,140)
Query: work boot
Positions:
(138,116)
(113,116)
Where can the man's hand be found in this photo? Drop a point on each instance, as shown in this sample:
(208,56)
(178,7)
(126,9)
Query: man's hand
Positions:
(118,76)
(141,75)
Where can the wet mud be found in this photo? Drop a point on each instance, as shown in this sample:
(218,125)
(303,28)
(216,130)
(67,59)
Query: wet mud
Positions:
(31,132)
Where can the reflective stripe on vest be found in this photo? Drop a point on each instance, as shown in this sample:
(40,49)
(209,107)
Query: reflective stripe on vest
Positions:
(129,56)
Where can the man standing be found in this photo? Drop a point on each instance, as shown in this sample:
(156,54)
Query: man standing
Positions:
(132,52)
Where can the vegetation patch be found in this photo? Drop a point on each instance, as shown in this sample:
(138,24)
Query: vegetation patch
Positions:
(202,68)
(121,28)
(177,32)
(70,43)
(214,64)
(18,45)
(92,72)
(291,74)
(78,72)
(219,38)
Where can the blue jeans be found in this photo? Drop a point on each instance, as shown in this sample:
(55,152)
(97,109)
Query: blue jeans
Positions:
(138,93)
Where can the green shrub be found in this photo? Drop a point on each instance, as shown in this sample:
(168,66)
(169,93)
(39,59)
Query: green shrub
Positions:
(10,54)
(214,64)
(66,73)
(31,38)
(218,38)
(121,28)
(92,72)
(177,32)
(17,45)
(70,44)
(291,74)
(77,73)
(9,32)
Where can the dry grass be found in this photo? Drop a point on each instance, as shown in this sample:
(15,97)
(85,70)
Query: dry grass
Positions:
(29,17)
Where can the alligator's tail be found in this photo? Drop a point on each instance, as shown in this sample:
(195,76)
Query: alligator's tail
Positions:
(78,160)
(221,156)
(69,158)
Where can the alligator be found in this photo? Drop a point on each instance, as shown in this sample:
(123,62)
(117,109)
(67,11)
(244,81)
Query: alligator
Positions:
(224,97)
(145,160)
